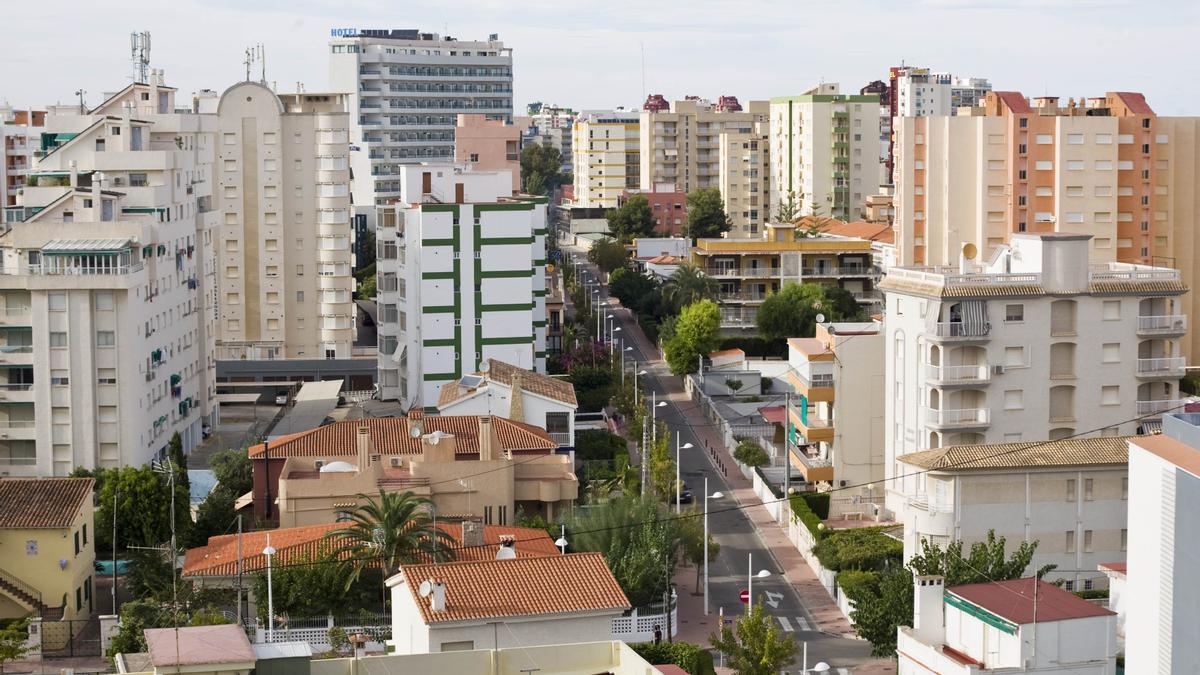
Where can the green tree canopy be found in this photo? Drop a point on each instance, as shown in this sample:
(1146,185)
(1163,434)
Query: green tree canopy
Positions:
(314,586)
(706,214)
(608,254)
(696,333)
(233,470)
(541,169)
(638,544)
(141,499)
(792,312)
(638,292)
(631,220)
(395,528)
(789,208)
(691,536)
(755,645)
(594,385)
(13,637)
(688,285)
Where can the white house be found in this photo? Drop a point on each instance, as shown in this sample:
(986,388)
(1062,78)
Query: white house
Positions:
(503,603)
(965,630)
(516,393)
(1161,598)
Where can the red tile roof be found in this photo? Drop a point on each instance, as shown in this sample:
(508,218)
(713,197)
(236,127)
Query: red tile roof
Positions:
(219,557)
(390,436)
(1135,102)
(861,229)
(36,503)
(561,584)
(1013,600)
(1015,101)
(1114,567)
(774,414)
(554,388)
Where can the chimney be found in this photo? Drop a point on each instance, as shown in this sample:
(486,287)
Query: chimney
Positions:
(516,403)
(485,438)
(929,619)
(472,533)
(437,597)
(362,442)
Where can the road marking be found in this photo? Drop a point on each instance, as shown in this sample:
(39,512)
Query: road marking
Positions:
(803,623)
(787,625)
(773,599)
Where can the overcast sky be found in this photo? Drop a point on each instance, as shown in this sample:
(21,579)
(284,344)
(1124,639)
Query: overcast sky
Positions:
(589,54)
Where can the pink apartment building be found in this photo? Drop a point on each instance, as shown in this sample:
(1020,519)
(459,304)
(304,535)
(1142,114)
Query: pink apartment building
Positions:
(489,145)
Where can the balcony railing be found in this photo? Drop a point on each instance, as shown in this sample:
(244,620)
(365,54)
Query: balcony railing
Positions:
(967,374)
(18,424)
(749,272)
(21,386)
(1166,324)
(817,380)
(71,271)
(958,417)
(960,329)
(1162,366)
(923,502)
(1160,406)
(564,439)
(16,349)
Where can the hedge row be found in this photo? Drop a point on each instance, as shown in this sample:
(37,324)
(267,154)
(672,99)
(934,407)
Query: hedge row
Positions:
(694,659)
(756,346)
(818,502)
(863,548)
(802,512)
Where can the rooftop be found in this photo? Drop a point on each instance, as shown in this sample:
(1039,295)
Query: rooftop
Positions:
(199,645)
(562,584)
(952,281)
(813,348)
(860,229)
(390,436)
(1067,452)
(760,244)
(1169,449)
(1013,601)
(36,503)
(504,373)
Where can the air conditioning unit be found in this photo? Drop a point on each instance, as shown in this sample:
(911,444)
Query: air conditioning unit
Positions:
(997,370)
(319,463)
(396,462)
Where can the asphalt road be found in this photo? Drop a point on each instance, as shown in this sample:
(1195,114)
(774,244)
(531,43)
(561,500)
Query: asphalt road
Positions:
(739,540)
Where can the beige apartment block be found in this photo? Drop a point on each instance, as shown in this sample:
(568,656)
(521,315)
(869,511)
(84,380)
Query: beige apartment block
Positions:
(681,143)
(1105,166)
(284,261)
(606,162)
(744,171)
(825,151)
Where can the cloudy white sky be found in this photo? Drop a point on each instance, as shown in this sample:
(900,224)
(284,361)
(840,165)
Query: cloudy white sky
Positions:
(588,54)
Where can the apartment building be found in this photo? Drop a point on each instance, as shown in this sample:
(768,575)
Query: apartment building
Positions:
(825,151)
(606,157)
(284,244)
(835,418)
(20,137)
(668,207)
(743,175)
(550,125)
(455,233)
(516,393)
(1042,343)
(751,268)
(1070,496)
(1106,166)
(487,144)
(681,141)
(406,90)
(1161,605)
(108,316)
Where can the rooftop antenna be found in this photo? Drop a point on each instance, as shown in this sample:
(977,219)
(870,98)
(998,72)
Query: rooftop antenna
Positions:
(82,106)
(262,56)
(254,54)
(139,54)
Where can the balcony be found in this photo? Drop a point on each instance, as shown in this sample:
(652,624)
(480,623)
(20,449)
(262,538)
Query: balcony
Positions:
(20,430)
(1160,406)
(16,355)
(15,316)
(961,418)
(813,468)
(960,331)
(1168,366)
(819,387)
(564,439)
(748,272)
(17,393)
(851,271)
(1170,324)
(930,518)
(941,376)
(739,317)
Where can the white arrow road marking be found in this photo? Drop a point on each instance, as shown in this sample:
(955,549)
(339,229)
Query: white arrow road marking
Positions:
(787,625)
(803,623)
(773,599)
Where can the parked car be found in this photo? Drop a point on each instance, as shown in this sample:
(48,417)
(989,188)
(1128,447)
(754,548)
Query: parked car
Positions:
(281,398)
(685,495)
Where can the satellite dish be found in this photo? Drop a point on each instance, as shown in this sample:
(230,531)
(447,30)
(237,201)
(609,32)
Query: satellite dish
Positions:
(414,430)
(435,437)
(820,318)
(969,251)
(483,366)
(425,588)
(506,553)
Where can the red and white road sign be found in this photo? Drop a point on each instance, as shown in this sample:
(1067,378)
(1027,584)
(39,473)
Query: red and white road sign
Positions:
(745,595)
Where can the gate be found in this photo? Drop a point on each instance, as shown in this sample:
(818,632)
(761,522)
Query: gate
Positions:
(63,639)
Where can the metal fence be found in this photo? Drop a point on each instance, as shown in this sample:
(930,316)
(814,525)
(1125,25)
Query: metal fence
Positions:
(70,638)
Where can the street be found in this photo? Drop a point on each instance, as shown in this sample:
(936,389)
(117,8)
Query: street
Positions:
(729,526)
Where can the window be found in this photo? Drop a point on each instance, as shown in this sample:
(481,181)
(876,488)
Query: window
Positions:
(474,157)
(1124,164)
(299,296)
(1111,352)
(59,378)
(995,190)
(1074,216)
(1045,139)
(230,139)
(995,165)
(103,300)
(106,376)
(1069,585)
(1103,165)
(58,339)
(1087,541)
(1125,488)
(1014,357)
(1074,165)
(85,534)
(1110,395)
(299,270)
(1043,191)
(272,244)
(1070,543)
(1074,190)
(1087,489)
(1043,165)
(57,302)
(272,324)
(105,338)
(269,138)
(1074,139)
(1070,489)
(1124,539)
(272,297)
(1014,399)
(1103,139)
(233,298)
(1103,191)
(1014,312)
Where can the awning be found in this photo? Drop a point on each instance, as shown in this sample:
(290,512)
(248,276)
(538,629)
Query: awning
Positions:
(85,246)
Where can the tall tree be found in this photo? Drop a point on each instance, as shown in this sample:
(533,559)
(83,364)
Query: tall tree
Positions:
(756,645)
(688,285)
(141,499)
(706,214)
(541,169)
(792,312)
(178,460)
(233,470)
(638,292)
(632,219)
(608,254)
(697,333)
(691,535)
(638,544)
(395,528)
(789,208)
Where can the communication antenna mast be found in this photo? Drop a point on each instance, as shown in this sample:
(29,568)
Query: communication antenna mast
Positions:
(255,54)
(139,54)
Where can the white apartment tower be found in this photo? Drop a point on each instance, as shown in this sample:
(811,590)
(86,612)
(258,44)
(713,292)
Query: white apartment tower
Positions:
(606,157)
(825,151)
(460,280)
(284,251)
(920,92)
(406,90)
(1037,344)
(107,319)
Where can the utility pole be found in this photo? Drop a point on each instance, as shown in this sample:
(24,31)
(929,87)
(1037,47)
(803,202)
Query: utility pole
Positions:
(239,570)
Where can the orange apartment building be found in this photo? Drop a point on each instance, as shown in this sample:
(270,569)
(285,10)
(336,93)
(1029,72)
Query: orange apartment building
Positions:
(1105,166)
(20,137)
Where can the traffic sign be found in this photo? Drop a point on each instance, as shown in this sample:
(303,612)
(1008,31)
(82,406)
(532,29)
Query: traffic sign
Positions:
(745,595)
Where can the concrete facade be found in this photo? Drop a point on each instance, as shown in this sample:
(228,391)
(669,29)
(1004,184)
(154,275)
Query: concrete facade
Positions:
(487,144)
(744,177)
(20,137)
(606,158)
(681,144)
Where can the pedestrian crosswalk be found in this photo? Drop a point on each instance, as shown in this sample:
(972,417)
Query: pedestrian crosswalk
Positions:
(802,624)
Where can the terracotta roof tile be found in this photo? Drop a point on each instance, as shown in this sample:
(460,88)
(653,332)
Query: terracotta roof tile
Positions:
(1135,101)
(1013,601)
(36,503)
(219,557)
(390,436)
(1067,452)
(861,229)
(561,584)
(503,373)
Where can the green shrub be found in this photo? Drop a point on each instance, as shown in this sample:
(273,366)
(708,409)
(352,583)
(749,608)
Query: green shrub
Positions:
(863,548)
(751,454)
(802,512)
(818,502)
(592,444)
(858,583)
(693,658)
(1093,594)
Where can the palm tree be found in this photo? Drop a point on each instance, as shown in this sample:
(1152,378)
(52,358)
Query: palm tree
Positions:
(688,285)
(396,528)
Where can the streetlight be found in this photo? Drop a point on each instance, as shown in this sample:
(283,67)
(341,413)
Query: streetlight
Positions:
(561,542)
(750,575)
(655,404)
(678,447)
(612,340)
(623,350)
(269,551)
(715,495)
(819,667)
(635,387)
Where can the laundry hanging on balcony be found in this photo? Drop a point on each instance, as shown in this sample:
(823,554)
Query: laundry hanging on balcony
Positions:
(175,379)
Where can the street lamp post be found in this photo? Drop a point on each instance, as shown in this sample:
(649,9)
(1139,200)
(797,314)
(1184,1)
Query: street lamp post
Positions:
(269,551)
(715,495)
(623,350)
(678,491)
(561,542)
(612,338)
(636,372)
(750,575)
(655,404)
